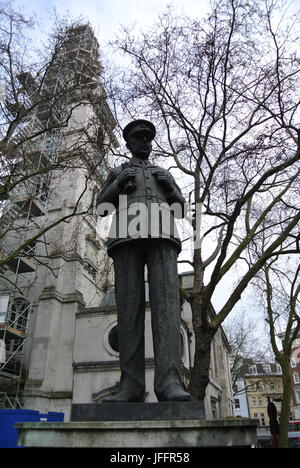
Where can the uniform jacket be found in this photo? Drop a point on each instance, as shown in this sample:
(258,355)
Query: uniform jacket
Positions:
(144,212)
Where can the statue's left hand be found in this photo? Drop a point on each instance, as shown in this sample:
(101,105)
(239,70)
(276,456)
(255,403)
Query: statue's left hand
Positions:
(164,179)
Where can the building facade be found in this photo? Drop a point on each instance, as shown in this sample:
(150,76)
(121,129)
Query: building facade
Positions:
(295,377)
(241,409)
(263,381)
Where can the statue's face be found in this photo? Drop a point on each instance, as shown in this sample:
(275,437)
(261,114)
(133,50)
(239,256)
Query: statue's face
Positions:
(139,143)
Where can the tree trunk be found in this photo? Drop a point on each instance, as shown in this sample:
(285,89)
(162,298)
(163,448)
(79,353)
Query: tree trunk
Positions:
(200,370)
(203,332)
(285,407)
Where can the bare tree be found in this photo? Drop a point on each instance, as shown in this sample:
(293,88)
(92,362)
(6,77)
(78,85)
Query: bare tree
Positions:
(278,287)
(46,131)
(224,93)
(246,347)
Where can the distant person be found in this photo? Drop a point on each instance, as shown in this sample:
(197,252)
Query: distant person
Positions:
(273,421)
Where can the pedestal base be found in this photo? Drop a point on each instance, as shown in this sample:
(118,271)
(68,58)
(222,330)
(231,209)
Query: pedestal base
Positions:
(166,411)
(140,434)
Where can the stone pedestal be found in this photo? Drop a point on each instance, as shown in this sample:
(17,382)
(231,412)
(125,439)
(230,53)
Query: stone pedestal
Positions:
(164,411)
(140,434)
(140,426)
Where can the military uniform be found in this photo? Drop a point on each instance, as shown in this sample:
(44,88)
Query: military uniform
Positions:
(158,249)
(147,193)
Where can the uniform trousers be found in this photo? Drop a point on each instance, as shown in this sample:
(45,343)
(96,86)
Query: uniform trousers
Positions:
(129,259)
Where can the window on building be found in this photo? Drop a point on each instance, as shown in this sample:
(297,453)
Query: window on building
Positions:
(296,377)
(213,404)
(261,418)
(30,249)
(90,256)
(237,403)
(4,301)
(293,362)
(2,351)
(253,401)
(272,385)
(267,368)
(113,339)
(297,394)
(253,369)
(19,314)
(260,402)
(42,185)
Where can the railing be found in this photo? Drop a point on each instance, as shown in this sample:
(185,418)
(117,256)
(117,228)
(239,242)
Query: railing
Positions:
(9,402)
(7,247)
(12,365)
(17,317)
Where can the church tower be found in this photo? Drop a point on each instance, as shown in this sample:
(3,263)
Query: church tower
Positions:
(64,268)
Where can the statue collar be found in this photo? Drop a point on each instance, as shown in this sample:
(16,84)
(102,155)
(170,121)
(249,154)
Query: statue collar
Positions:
(138,162)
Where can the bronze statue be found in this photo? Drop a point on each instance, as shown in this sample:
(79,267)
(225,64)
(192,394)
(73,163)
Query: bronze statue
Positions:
(135,187)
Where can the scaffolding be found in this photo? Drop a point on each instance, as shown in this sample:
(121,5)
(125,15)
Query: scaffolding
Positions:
(77,62)
(27,202)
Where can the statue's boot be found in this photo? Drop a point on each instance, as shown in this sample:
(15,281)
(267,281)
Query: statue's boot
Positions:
(174,392)
(125,395)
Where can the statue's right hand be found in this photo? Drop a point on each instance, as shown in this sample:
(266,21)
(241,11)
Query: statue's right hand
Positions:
(126,174)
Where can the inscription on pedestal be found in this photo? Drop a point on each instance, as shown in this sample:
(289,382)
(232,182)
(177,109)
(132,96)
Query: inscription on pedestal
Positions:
(164,411)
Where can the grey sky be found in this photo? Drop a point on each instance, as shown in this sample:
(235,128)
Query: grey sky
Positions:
(106,16)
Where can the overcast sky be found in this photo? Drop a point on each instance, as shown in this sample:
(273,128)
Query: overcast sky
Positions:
(106,16)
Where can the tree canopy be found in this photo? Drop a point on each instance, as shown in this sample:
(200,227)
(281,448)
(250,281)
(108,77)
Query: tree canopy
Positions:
(223,92)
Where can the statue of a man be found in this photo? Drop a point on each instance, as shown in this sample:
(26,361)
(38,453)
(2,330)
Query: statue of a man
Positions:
(144,185)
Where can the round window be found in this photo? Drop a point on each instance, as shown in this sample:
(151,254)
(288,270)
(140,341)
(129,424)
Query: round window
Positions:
(113,338)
